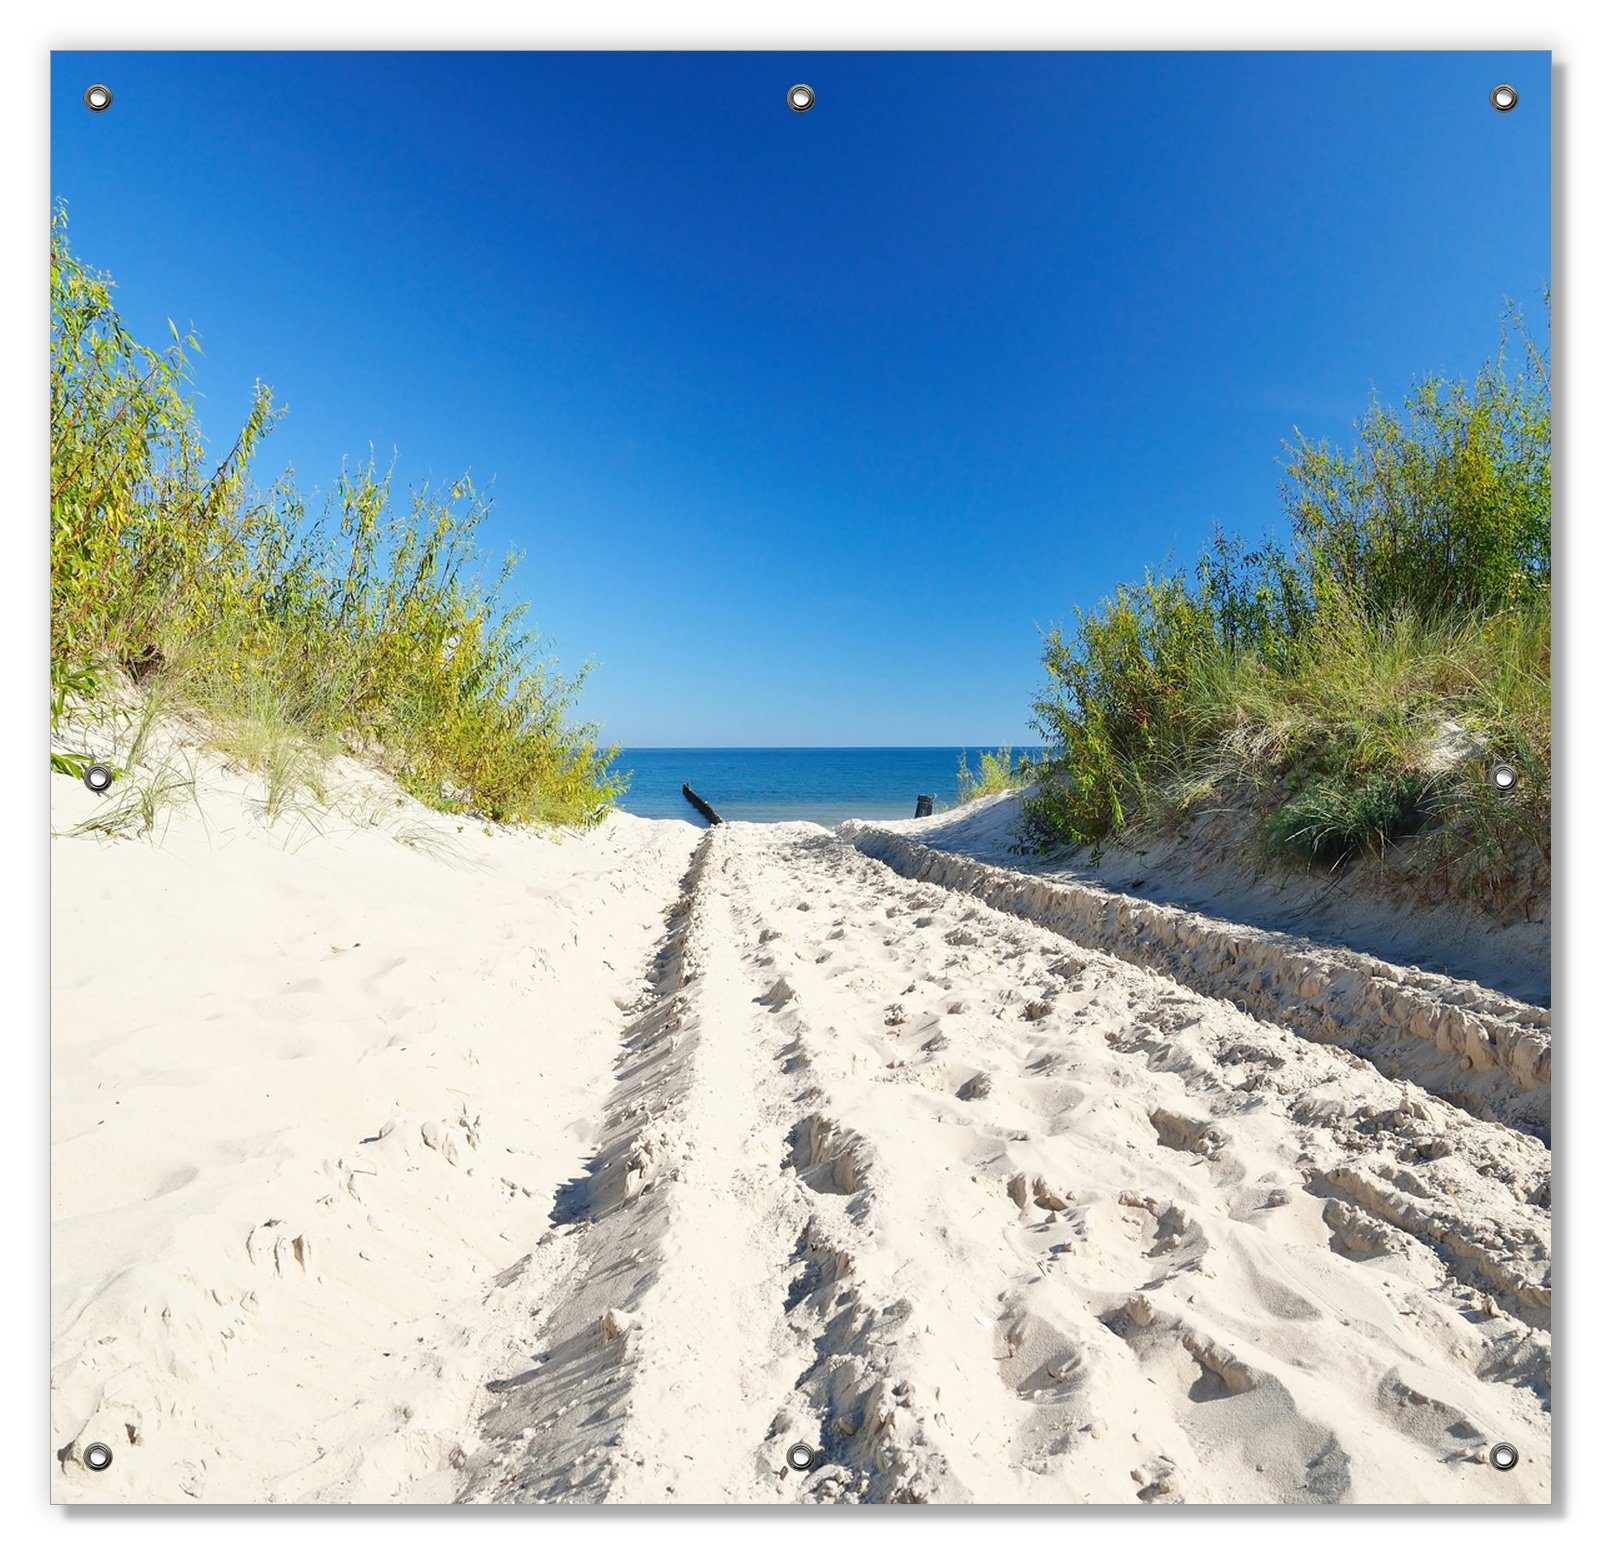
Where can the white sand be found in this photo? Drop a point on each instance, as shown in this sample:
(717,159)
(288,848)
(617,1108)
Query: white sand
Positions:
(1477,1047)
(608,1168)
(1216,867)
(278,1302)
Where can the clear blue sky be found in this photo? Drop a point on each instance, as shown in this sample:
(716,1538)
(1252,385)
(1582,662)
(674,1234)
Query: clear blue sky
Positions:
(809,422)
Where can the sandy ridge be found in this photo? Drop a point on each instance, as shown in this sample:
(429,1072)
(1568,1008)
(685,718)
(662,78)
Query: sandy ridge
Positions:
(1475,1047)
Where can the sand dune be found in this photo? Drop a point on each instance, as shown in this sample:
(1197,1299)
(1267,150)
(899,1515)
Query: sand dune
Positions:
(614,1168)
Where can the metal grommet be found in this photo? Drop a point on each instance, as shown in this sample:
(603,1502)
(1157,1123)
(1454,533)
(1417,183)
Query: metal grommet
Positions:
(97,777)
(1504,1456)
(97,1456)
(97,98)
(1503,98)
(801,97)
(1504,778)
(800,1456)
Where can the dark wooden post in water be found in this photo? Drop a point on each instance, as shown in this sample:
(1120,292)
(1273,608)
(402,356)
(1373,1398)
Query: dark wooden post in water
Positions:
(925,806)
(701,805)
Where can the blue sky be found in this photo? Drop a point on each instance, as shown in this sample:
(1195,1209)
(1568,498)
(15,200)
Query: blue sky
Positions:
(809,423)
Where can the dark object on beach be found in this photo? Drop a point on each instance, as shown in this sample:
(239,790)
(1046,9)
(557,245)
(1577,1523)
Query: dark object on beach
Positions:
(925,806)
(701,805)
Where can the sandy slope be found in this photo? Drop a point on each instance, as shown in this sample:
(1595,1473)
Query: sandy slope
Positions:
(310,1095)
(1216,867)
(814,1153)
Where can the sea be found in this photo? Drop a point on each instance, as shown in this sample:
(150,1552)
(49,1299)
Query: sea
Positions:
(804,784)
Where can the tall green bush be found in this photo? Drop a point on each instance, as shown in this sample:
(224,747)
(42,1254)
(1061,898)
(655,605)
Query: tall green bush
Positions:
(1354,685)
(1441,508)
(370,623)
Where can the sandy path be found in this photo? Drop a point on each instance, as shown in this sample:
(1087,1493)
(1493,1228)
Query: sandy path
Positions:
(980,1214)
(311,1098)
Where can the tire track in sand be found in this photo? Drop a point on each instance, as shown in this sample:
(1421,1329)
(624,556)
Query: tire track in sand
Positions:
(988,1216)
(661,1371)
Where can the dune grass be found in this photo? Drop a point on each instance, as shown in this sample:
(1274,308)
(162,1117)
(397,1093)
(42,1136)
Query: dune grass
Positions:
(1000,772)
(369,625)
(1352,687)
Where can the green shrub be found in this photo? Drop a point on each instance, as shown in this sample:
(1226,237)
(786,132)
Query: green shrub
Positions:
(1333,817)
(369,625)
(1355,686)
(1443,508)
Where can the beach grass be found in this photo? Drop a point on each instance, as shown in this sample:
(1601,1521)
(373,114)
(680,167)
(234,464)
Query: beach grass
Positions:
(370,624)
(1000,772)
(1354,686)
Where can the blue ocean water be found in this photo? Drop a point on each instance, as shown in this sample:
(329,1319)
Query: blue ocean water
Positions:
(793,785)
